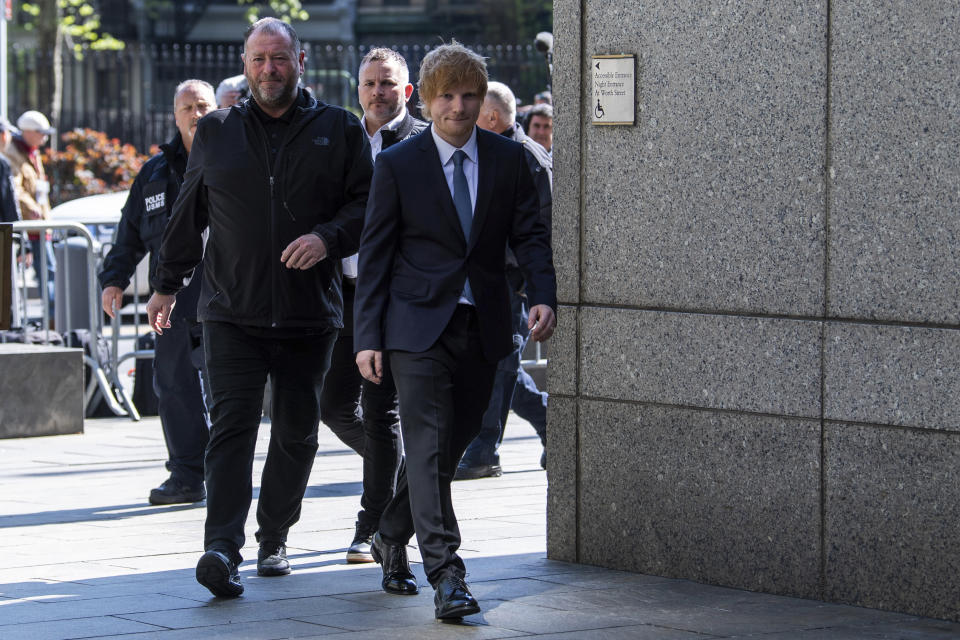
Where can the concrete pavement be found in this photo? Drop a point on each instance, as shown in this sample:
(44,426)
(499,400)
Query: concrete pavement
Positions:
(85,556)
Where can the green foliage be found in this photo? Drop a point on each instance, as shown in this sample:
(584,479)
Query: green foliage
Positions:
(78,20)
(92,163)
(286,10)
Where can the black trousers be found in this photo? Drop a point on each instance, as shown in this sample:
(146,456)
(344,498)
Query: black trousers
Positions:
(176,381)
(363,415)
(443,393)
(238,361)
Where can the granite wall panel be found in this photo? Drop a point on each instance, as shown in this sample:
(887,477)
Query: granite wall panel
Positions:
(562,367)
(562,470)
(567,65)
(891,514)
(723,362)
(715,200)
(893,375)
(723,498)
(895,112)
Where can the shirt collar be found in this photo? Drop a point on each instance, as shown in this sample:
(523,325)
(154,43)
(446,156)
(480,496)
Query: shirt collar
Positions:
(445,149)
(393,125)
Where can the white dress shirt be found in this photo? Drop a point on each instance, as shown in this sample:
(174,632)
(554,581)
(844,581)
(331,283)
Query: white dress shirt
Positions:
(376,140)
(376,146)
(446,151)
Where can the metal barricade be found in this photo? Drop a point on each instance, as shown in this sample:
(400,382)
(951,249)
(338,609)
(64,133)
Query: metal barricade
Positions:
(104,374)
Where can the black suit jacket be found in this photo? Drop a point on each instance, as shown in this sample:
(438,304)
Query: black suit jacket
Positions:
(414,258)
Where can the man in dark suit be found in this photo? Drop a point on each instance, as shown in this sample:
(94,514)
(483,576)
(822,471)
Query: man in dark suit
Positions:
(432,295)
(363,414)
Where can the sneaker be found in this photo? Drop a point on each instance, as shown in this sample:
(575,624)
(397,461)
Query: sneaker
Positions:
(272,559)
(172,491)
(218,573)
(359,550)
(478,471)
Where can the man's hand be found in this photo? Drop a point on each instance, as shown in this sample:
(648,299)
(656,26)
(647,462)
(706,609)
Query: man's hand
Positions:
(159,309)
(370,363)
(304,252)
(112,300)
(542,322)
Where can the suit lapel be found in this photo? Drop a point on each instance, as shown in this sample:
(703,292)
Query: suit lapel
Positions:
(437,178)
(487,171)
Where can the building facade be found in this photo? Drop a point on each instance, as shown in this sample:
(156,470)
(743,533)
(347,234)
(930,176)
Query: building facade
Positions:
(756,375)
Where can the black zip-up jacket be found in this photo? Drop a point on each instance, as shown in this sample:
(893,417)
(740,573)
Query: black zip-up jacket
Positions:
(318,184)
(541,168)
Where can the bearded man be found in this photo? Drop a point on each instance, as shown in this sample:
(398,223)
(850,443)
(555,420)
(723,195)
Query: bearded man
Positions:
(280,180)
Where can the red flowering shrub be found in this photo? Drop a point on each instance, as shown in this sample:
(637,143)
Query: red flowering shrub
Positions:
(90,163)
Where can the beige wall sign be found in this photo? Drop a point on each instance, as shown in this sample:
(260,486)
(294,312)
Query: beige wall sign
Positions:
(613,89)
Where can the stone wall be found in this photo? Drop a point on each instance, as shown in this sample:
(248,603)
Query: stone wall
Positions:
(756,378)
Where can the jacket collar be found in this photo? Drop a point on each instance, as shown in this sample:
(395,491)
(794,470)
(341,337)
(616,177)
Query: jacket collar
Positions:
(486,172)
(175,153)
(304,102)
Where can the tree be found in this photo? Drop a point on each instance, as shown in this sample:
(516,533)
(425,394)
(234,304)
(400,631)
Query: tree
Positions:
(287,10)
(74,23)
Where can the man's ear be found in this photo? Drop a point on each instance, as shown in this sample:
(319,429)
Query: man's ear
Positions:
(407,92)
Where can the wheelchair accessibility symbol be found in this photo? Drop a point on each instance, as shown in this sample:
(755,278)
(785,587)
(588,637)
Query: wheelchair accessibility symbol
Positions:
(598,111)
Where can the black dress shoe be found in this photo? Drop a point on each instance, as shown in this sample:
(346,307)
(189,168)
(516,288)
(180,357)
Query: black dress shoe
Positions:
(272,559)
(475,472)
(218,573)
(359,550)
(397,577)
(453,599)
(172,491)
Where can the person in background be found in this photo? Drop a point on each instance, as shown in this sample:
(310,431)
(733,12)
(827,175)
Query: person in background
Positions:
(178,356)
(540,126)
(363,414)
(9,207)
(33,188)
(482,458)
(231,91)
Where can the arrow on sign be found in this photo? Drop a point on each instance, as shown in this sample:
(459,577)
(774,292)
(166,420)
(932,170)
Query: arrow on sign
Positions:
(598,66)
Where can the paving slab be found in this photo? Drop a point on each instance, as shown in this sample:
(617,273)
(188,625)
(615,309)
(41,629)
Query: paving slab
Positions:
(89,558)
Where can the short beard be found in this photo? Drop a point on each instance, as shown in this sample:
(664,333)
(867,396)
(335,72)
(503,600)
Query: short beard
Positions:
(281,101)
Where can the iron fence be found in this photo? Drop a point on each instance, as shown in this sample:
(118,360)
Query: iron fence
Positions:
(128,94)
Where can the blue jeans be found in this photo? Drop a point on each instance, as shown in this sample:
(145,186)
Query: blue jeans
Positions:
(510,383)
(530,404)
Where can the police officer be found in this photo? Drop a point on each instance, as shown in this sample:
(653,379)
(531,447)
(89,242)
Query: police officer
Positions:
(178,359)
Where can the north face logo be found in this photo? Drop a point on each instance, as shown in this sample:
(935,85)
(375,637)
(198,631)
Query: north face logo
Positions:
(321,141)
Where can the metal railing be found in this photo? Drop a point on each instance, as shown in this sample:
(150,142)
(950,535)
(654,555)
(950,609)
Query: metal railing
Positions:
(103,374)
